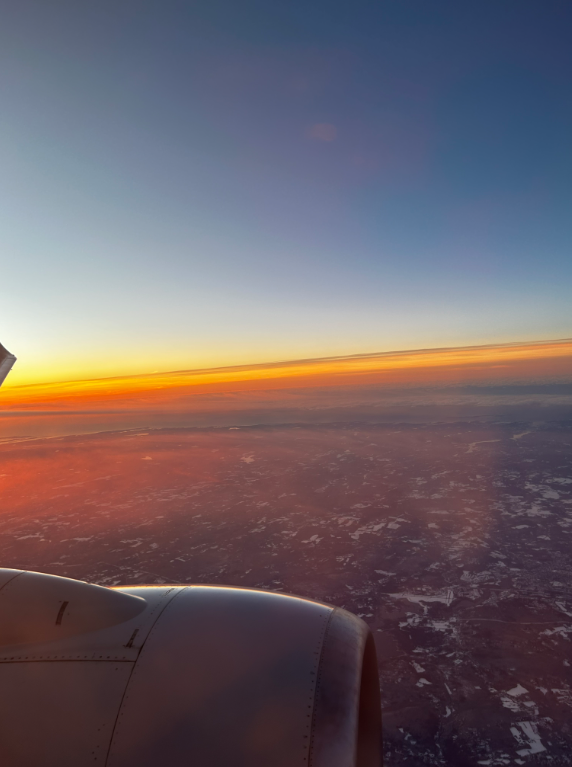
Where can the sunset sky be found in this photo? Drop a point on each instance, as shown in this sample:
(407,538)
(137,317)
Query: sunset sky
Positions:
(447,381)
(507,363)
(200,184)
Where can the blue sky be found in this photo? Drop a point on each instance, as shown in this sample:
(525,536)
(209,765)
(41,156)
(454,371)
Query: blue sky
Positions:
(191,184)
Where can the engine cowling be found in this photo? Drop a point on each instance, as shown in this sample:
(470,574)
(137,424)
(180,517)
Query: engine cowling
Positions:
(177,675)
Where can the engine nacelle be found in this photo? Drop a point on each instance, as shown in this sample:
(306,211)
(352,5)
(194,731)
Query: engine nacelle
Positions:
(181,675)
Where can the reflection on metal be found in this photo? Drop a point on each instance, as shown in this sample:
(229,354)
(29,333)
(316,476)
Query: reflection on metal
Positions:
(36,608)
(6,362)
(201,675)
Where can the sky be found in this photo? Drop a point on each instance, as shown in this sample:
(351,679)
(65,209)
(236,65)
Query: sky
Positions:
(512,382)
(211,183)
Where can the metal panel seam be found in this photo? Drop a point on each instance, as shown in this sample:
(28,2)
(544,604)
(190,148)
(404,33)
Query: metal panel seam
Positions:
(13,578)
(317,686)
(135,663)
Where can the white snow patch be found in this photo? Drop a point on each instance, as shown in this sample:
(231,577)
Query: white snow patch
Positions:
(562,606)
(441,625)
(516,691)
(445,598)
(521,435)
(529,731)
(473,445)
(561,631)
(510,703)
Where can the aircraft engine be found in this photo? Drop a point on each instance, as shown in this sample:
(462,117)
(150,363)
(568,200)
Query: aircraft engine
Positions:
(181,675)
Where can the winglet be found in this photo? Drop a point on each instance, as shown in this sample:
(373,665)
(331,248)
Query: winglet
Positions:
(6,362)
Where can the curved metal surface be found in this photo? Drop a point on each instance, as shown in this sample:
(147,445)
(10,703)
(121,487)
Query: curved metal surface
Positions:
(119,642)
(60,698)
(35,607)
(59,714)
(7,575)
(227,676)
(200,675)
(347,714)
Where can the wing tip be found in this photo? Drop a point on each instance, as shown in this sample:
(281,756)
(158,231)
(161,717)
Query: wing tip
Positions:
(7,360)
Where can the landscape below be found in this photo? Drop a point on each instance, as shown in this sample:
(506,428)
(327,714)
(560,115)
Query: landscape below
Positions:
(450,538)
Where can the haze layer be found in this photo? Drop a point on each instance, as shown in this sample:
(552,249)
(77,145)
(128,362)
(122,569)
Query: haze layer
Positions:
(315,389)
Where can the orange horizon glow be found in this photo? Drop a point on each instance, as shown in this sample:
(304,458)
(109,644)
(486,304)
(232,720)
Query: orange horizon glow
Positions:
(442,365)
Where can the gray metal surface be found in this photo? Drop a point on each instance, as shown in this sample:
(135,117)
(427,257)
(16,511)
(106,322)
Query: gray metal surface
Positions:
(59,714)
(171,675)
(43,608)
(121,641)
(60,696)
(6,362)
(347,712)
(226,677)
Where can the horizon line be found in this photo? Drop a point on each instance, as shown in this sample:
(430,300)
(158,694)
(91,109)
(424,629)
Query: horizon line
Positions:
(285,363)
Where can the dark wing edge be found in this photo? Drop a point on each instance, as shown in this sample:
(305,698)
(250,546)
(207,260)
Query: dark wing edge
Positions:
(6,362)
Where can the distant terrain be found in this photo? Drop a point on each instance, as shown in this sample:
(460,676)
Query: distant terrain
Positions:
(508,382)
(451,539)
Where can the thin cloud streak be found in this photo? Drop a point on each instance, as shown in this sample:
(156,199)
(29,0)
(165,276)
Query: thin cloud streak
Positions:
(550,360)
